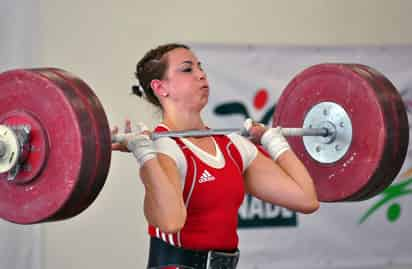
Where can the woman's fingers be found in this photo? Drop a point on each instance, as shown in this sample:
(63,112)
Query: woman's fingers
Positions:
(128,126)
(143,129)
(129,135)
(115,130)
(116,146)
(255,130)
(119,147)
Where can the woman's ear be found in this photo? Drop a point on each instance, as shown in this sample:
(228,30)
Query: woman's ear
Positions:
(158,88)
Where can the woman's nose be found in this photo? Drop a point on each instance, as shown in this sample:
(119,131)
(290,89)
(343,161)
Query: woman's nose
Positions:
(201,74)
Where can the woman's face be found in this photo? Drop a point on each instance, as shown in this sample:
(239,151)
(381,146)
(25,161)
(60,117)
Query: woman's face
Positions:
(185,81)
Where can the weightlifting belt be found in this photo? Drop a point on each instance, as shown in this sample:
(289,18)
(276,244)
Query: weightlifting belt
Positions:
(162,255)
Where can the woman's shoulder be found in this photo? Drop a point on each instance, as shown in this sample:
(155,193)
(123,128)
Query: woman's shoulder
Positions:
(247,149)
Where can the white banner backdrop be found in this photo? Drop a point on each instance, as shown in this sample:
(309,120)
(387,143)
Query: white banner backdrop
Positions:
(20,246)
(340,235)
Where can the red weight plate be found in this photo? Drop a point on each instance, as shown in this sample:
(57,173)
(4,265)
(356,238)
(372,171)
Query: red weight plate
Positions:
(397,129)
(59,113)
(339,84)
(101,127)
(82,190)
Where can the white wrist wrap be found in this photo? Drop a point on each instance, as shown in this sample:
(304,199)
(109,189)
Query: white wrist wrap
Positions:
(139,143)
(274,142)
(142,148)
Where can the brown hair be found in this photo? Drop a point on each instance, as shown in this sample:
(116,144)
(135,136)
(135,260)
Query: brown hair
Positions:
(153,66)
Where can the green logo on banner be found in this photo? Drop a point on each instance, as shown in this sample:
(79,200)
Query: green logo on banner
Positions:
(393,212)
(254,212)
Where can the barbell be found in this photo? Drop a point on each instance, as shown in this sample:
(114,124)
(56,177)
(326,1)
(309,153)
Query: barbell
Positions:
(55,141)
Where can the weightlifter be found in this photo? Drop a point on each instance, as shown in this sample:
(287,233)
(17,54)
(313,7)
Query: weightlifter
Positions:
(195,186)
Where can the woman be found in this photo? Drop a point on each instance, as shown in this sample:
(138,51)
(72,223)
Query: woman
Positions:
(195,186)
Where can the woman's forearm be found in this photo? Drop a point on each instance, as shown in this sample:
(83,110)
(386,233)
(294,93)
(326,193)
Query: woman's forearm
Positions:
(290,163)
(163,203)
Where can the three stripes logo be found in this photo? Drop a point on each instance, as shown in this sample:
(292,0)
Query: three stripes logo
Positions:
(206,176)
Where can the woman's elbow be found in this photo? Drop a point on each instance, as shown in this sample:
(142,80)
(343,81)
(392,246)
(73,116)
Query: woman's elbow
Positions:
(170,227)
(309,207)
(174,224)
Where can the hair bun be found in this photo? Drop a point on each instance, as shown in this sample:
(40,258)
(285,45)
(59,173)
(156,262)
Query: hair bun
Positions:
(136,89)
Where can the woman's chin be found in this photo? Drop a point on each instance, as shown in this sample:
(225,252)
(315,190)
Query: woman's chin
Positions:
(204,103)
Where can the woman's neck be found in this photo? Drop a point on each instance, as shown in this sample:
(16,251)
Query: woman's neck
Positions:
(183,120)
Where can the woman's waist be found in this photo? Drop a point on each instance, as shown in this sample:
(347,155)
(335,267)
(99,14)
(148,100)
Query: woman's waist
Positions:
(163,254)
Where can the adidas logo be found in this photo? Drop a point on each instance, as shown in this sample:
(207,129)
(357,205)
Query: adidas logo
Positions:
(206,176)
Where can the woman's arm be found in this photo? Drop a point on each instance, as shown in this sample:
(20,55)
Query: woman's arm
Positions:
(282,180)
(163,203)
(285,182)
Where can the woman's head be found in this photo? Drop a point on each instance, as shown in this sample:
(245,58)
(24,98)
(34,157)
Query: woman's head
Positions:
(153,66)
(172,78)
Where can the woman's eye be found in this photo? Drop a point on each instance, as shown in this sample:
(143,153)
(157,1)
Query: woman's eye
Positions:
(187,70)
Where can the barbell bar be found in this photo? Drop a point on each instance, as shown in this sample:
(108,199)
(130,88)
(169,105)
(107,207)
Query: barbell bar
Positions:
(208,132)
(352,121)
(12,147)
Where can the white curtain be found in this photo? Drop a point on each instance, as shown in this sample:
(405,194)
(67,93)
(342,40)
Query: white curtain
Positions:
(20,246)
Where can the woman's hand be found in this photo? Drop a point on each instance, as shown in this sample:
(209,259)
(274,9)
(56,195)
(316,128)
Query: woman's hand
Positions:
(271,138)
(118,146)
(254,130)
(138,142)
(285,182)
